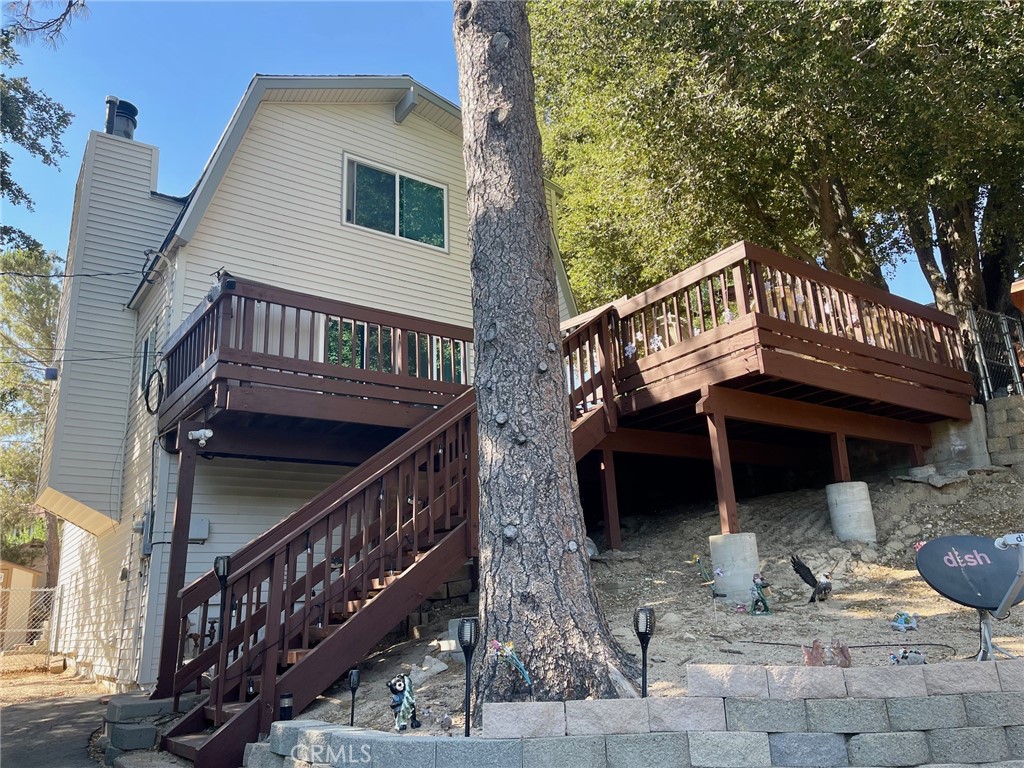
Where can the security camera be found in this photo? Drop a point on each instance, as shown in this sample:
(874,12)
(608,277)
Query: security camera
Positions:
(201,436)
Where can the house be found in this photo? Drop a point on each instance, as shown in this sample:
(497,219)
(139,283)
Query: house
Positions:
(267,459)
(342,189)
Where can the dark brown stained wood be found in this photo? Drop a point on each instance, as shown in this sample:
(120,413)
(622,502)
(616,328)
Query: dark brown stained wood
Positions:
(588,430)
(774,333)
(436,393)
(169,659)
(840,458)
(687,355)
(727,516)
(262,368)
(190,397)
(762,409)
(649,441)
(864,385)
(262,442)
(307,405)
(816,274)
(714,372)
(610,500)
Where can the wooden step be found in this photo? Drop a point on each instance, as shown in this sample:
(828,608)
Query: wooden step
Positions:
(187,745)
(295,655)
(228,708)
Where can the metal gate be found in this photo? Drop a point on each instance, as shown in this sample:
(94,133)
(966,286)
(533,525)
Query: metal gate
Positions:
(994,351)
(28,628)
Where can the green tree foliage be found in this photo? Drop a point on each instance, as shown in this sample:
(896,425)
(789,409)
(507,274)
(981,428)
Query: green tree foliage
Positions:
(31,120)
(28,314)
(842,133)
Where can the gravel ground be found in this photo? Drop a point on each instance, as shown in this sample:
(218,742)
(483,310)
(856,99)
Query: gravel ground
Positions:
(872,583)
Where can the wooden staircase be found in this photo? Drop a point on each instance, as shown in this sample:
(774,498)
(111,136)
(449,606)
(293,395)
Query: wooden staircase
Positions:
(306,601)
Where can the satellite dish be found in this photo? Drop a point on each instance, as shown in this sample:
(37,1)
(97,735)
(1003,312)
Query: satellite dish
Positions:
(969,570)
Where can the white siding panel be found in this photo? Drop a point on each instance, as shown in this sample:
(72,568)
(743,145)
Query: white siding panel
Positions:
(277,214)
(241,499)
(116,220)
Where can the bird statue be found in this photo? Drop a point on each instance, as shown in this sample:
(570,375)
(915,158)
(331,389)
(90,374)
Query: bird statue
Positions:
(822,585)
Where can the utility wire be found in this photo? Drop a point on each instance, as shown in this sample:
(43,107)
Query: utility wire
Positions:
(62,275)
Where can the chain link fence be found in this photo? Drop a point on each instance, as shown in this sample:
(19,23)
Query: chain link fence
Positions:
(994,352)
(28,625)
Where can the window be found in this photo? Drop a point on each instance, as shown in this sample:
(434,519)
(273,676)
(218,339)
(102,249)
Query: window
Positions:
(395,204)
(147,357)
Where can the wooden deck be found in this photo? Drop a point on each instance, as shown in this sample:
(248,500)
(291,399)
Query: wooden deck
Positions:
(714,364)
(256,350)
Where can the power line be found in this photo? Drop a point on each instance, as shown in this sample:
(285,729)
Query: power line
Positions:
(62,275)
(73,360)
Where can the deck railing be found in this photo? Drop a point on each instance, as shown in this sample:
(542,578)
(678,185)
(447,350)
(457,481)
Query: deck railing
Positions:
(745,279)
(348,540)
(350,350)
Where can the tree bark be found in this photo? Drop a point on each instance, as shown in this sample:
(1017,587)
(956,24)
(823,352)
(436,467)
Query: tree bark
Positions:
(536,589)
(1000,244)
(845,245)
(958,248)
(919,230)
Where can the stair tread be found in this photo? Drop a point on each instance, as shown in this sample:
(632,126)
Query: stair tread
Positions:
(187,745)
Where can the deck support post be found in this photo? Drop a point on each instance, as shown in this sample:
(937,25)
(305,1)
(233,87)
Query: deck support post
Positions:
(727,516)
(178,558)
(840,458)
(610,500)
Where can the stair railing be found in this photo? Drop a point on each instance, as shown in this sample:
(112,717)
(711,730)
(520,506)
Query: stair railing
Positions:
(328,557)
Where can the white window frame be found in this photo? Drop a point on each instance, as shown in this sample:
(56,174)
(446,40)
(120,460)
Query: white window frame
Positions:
(347,183)
(147,356)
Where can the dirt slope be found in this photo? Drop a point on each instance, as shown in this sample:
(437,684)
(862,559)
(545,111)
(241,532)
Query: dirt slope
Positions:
(872,584)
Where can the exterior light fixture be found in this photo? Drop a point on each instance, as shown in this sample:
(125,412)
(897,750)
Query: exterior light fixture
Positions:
(643,625)
(469,636)
(353,685)
(221,566)
(285,712)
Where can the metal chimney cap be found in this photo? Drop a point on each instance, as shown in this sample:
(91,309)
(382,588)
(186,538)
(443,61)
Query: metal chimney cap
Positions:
(127,109)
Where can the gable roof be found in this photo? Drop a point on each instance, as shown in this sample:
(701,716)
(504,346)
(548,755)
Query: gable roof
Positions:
(406,94)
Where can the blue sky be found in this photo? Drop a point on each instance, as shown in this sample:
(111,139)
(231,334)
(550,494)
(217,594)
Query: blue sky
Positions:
(185,65)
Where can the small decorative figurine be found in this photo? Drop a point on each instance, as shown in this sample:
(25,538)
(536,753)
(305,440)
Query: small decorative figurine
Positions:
(907,656)
(403,702)
(903,621)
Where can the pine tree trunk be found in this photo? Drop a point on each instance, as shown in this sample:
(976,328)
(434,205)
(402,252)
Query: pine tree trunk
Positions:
(536,589)
(52,549)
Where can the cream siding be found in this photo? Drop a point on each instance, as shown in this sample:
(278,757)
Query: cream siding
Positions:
(277,214)
(94,597)
(240,500)
(117,218)
(89,443)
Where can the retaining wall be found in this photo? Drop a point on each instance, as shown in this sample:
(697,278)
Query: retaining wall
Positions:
(960,713)
(1005,422)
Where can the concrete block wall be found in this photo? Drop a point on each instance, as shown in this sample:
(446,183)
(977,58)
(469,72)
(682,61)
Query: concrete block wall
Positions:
(967,713)
(1005,421)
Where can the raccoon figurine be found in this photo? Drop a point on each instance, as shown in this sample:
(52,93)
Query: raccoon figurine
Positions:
(403,702)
